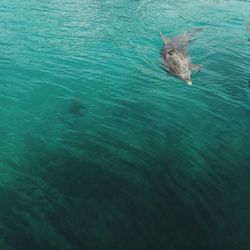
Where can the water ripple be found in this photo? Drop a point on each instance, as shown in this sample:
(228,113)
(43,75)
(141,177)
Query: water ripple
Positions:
(140,153)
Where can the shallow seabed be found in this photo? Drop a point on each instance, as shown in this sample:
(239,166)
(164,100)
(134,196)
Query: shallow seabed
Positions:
(101,149)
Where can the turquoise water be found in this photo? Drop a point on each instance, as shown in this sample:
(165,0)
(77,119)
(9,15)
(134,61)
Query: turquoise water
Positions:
(101,149)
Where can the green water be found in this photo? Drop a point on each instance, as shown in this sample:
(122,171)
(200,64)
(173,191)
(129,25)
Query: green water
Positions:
(101,149)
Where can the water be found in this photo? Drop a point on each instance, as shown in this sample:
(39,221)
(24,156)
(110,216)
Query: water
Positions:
(101,149)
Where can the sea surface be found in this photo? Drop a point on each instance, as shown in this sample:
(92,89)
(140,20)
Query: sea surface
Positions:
(100,149)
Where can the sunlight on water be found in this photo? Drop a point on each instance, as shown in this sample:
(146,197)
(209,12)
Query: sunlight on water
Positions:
(101,148)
